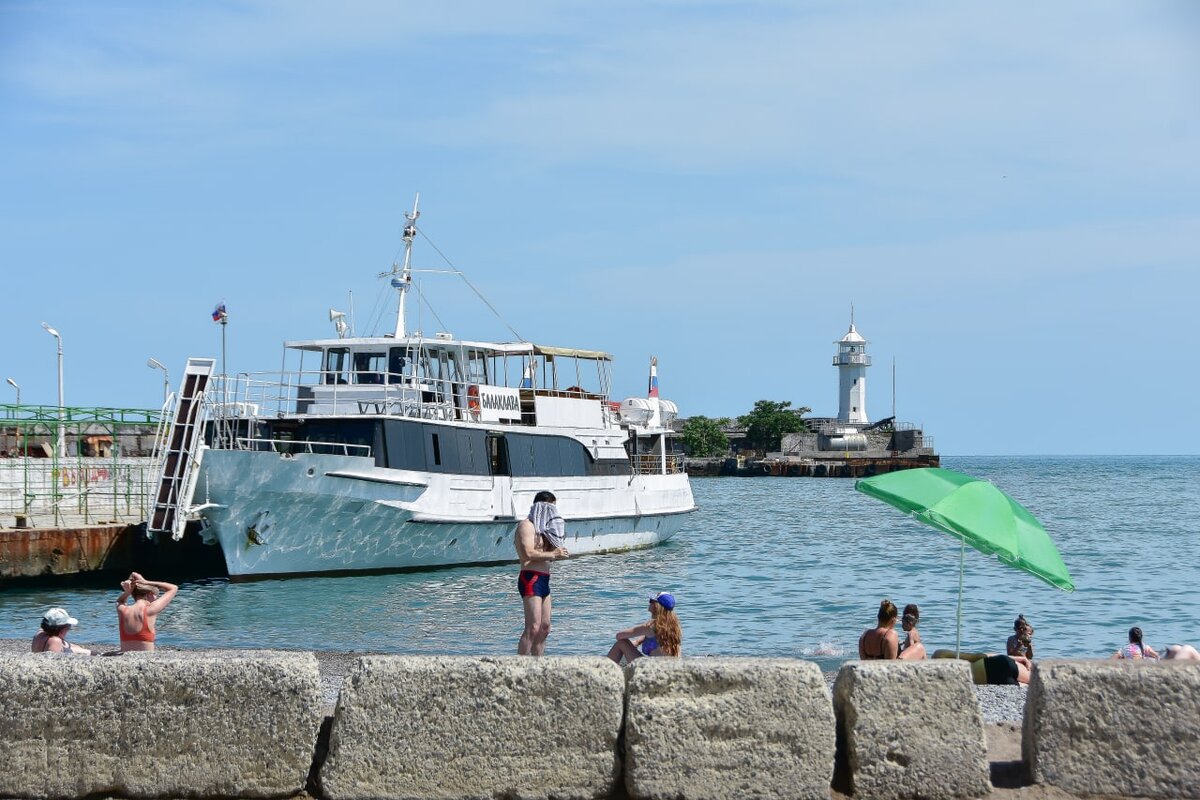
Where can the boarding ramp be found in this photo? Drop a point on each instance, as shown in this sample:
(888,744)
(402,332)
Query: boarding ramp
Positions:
(177,449)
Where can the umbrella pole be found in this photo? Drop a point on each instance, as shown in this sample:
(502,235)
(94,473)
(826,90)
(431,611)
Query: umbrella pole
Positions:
(958,617)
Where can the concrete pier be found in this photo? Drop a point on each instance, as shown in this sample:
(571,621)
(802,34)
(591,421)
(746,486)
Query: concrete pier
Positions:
(87,551)
(829,465)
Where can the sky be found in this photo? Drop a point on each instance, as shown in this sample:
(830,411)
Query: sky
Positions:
(1007,195)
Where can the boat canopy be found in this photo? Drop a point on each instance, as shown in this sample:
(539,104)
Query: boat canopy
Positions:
(317,345)
(506,348)
(570,352)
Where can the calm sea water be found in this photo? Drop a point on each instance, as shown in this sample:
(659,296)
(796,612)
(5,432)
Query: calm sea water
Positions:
(767,567)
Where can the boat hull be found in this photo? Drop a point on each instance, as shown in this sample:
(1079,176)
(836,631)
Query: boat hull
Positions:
(310,514)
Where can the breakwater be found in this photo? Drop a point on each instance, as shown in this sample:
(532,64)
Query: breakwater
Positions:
(154,725)
(830,465)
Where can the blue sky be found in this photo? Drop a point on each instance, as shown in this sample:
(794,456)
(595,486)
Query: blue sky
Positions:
(1007,193)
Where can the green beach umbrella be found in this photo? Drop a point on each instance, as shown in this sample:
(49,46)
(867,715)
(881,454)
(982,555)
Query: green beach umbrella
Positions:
(977,514)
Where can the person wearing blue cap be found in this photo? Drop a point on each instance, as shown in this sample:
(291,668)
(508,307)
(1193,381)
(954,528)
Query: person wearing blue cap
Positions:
(658,636)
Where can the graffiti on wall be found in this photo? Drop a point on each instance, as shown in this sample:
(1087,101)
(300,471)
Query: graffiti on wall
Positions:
(84,476)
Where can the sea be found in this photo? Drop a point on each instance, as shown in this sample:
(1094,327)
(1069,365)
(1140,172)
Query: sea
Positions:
(792,567)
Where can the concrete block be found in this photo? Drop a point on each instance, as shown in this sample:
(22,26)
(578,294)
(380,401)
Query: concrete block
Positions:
(911,729)
(728,728)
(157,725)
(450,727)
(1127,728)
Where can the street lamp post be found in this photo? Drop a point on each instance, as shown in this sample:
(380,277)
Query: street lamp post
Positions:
(13,384)
(154,363)
(56,335)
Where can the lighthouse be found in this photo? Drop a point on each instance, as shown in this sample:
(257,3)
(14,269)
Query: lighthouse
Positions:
(852,362)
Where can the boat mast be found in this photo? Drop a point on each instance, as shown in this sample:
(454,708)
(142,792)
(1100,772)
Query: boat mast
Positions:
(403,281)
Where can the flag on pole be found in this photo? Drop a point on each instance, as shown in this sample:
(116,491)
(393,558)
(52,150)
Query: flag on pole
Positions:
(219,314)
(653,377)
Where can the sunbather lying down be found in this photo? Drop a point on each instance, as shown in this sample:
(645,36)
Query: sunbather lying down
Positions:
(1183,652)
(994,668)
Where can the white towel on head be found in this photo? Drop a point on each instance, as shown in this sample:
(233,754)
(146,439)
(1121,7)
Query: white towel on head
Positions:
(548,523)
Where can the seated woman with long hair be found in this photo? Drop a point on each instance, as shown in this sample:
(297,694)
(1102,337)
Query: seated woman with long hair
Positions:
(881,641)
(1136,649)
(658,636)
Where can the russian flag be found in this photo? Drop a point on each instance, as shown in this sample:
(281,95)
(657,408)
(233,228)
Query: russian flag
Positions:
(219,314)
(653,377)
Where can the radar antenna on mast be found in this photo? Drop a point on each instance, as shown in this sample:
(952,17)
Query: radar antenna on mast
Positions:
(402,274)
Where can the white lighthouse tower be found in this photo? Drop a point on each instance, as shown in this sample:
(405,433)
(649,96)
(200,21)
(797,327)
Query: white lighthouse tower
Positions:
(852,362)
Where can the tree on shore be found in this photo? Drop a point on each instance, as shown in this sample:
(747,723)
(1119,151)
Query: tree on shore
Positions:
(703,438)
(770,420)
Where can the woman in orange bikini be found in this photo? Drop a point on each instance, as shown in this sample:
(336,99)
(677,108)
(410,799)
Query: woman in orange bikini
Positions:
(136,619)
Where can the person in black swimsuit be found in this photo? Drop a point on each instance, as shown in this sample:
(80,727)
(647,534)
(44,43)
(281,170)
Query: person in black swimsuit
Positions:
(996,669)
(881,642)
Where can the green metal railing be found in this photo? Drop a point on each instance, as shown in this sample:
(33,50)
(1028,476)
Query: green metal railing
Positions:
(106,446)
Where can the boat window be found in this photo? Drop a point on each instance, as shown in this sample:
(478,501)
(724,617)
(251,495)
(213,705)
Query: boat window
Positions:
(432,365)
(545,456)
(399,364)
(368,367)
(497,455)
(450,365)
(476,367)
(340,437)
(337,359)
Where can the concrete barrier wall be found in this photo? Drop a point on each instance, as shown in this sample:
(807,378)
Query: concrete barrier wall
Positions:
(196,725)
(157,725)
(911,729)
(1127,728)
(728,728)
(446,727)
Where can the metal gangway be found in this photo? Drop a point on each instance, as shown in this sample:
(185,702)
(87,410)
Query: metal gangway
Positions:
(177,449)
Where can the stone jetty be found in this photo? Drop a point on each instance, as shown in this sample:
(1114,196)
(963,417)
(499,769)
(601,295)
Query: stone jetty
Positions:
(255,724)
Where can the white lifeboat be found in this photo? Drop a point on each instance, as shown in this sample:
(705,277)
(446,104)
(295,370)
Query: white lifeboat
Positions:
(637,410)
(641,411)
(669,412)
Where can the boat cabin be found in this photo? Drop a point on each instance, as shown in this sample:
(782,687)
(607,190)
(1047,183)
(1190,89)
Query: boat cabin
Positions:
(447,379)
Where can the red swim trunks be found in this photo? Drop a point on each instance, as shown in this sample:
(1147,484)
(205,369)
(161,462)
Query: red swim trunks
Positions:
(533,584)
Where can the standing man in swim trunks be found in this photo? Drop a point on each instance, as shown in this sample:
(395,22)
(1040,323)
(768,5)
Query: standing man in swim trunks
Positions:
(539,541)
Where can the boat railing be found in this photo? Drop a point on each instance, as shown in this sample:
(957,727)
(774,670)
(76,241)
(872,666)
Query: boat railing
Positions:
(269,395)
(274,394)
(655,464)
(296,446)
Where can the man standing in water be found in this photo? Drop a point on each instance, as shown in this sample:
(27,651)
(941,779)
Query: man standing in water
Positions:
(539,540)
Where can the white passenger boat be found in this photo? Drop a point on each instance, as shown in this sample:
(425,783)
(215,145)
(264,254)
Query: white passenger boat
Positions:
(406,451)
